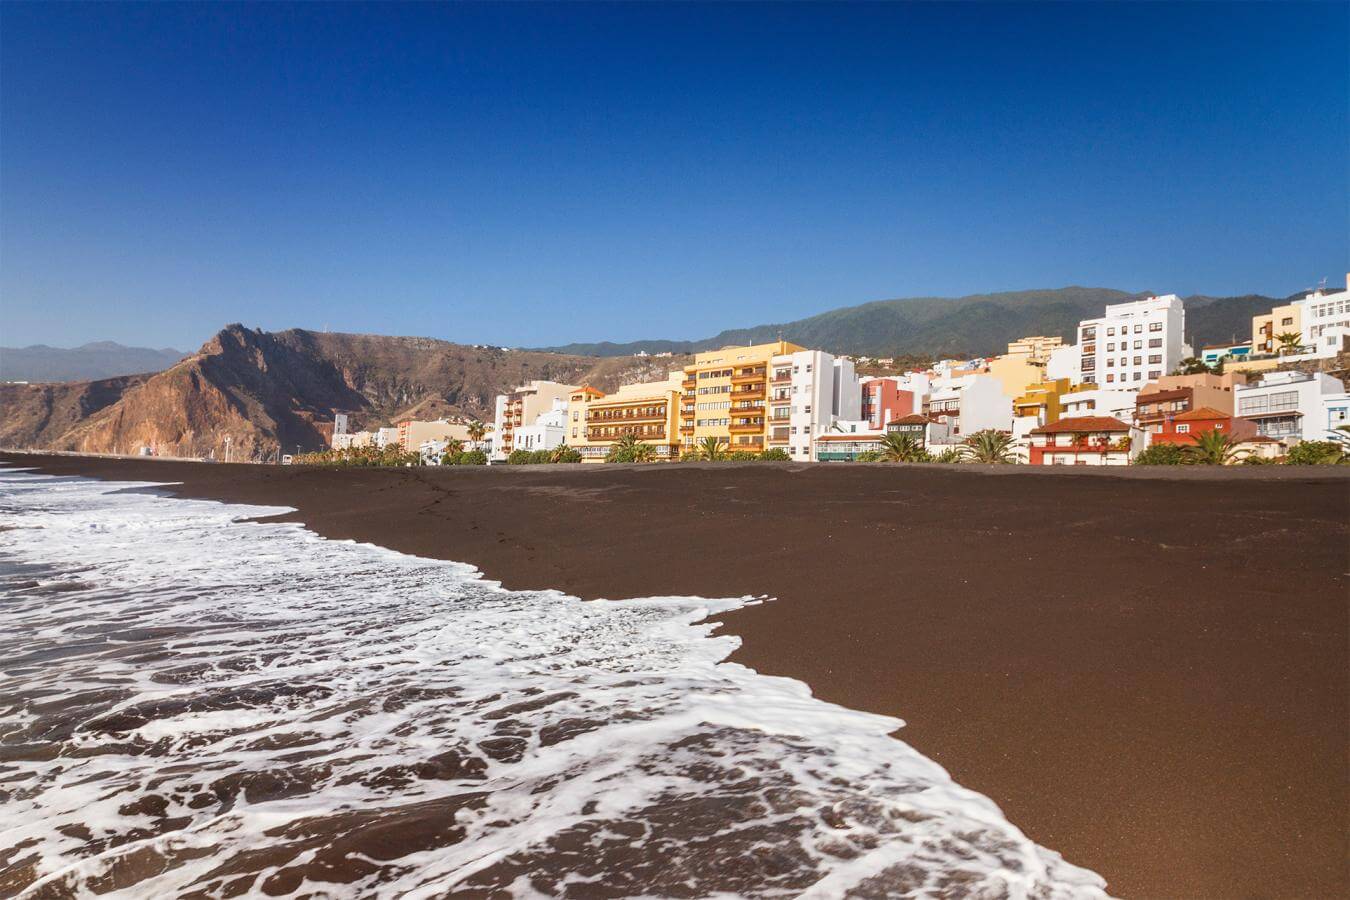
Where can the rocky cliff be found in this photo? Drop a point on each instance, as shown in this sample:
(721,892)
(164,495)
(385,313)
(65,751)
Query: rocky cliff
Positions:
(261,392)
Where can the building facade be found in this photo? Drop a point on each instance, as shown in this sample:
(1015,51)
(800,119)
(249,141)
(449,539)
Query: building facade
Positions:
(1288,406)
(648,412)
(808,392)
(521,407)
(1133,343)
(884,401)
(1085,441)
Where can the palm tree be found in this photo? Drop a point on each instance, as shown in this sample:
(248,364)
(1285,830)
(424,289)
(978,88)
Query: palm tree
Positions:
(1213,448)
(897,447)
(629,449)
(476,432)
(988,446)
(1289,341)
(644,453)
(711,449)
(453,447)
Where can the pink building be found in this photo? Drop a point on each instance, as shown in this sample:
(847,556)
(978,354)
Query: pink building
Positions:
(883,401)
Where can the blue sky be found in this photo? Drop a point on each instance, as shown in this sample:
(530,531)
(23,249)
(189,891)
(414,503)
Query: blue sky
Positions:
(529,175)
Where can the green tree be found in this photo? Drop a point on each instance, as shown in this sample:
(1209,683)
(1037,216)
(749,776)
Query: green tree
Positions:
(564,454)
(1213,448)
(897,447)
(1161,455)
(1316,453)
(775,454)
(628,449)
(711,449)
(477,431)
(472,458)
(1289,341)
(519,458)
(987,446)
(1191,365)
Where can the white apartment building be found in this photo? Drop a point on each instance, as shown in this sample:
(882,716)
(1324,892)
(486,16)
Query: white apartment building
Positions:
(973,402)
(386,437)
(521,407)
(548,430)
(1335,416)
(1134,343)
(1288,406)
(1098,402)
(809,391)
(1323,312)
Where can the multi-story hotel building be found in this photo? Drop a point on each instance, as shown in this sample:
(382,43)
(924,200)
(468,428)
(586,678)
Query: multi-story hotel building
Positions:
(1133,343)
(648,412)
(521,407)
(725,394)
(810,390)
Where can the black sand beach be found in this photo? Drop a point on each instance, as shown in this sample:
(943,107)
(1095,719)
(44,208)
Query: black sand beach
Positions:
(1147,670)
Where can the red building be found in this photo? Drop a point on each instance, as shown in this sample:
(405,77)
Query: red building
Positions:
(1085,441)
(883,402)
(1182,427)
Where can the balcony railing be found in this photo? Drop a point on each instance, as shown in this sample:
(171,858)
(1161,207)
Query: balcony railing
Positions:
(746,427)
(689,384)
(753,392)
(646,434)
(624,416)
(753,409)
(785,378)
(748,377)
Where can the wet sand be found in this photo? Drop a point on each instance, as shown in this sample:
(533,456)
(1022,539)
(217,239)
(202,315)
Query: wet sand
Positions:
(1146,670)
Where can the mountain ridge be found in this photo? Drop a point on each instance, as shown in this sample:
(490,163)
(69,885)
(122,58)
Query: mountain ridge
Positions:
(972,325)
(87,362)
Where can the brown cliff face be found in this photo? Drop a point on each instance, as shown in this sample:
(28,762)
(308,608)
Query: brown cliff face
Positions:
(275,392)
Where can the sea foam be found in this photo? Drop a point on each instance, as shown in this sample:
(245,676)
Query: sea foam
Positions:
(197,705)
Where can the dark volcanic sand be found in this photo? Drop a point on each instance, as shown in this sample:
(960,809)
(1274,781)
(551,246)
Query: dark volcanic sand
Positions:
(1146,670)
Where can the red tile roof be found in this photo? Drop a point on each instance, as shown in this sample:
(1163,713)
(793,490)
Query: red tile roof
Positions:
(1156,396)
(1082,425)
(913,419)
(1204,412)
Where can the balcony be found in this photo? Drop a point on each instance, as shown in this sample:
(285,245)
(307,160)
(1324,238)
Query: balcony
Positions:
(751,392)
(754,377)
(778,439)
(689,384)
(686,429)
(746,427)
(754,409)
(642,434)
(626,416)
(785,378)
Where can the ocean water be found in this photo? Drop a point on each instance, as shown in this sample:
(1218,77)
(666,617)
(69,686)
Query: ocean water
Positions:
(196,705)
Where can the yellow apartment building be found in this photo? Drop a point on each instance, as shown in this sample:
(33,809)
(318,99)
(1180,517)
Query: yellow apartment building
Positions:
(1042,400)
(1267,327)
(1015,372)
(648,412)
(725,396)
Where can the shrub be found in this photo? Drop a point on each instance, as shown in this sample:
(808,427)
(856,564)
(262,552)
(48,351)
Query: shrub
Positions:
(1315,453)
(950,455)
(540,457)
(471,458)
(519,458)
(565,454)
(775,454)
(1162,455)
(869,456)
(743,455)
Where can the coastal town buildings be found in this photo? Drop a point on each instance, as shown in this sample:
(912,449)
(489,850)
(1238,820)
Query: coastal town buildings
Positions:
(1323,313)
(725,396)
(648,412)
(1267,327)
(928,432)
(1134,342)
(974,402)
(1090,400)
(1213,354)
(1085,441)
(884,400)
(521,407)
(1183,428)
(1289,406)
(413,433)
(546,432)
(1037,348)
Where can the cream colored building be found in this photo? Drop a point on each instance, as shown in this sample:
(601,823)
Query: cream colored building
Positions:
(648,411)
(725,393)
(521,407)
(413,433)
(1016,372)
(1280,320)
(1036,348)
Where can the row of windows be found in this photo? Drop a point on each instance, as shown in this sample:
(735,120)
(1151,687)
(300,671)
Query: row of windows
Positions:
(715,373)
(1090,332)
(716,389)
(1138,376)
(719,404)
(1268,403)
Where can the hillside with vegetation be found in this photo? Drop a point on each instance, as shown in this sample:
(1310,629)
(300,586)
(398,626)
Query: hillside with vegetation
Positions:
(975,325)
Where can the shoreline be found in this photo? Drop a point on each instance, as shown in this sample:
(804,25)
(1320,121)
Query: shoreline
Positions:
(1145,670)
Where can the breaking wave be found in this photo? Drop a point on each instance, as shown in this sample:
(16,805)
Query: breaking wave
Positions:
(196,705)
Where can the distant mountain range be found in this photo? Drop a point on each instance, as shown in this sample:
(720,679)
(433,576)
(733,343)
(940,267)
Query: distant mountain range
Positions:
(103,359)
(976,325)
(264,391)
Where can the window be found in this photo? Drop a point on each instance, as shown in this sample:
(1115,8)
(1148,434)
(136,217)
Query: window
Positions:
(1155,326)
(807,410)
(1155,360)
(1090,333)
(1139,345)
(1138,329)
(1155,342)
(1184,428)
(1110,378)
(1156,373)
(1287,320)
(1137,376)
(1138,360)
(1111,348)
(1110,363)
(1284,401)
